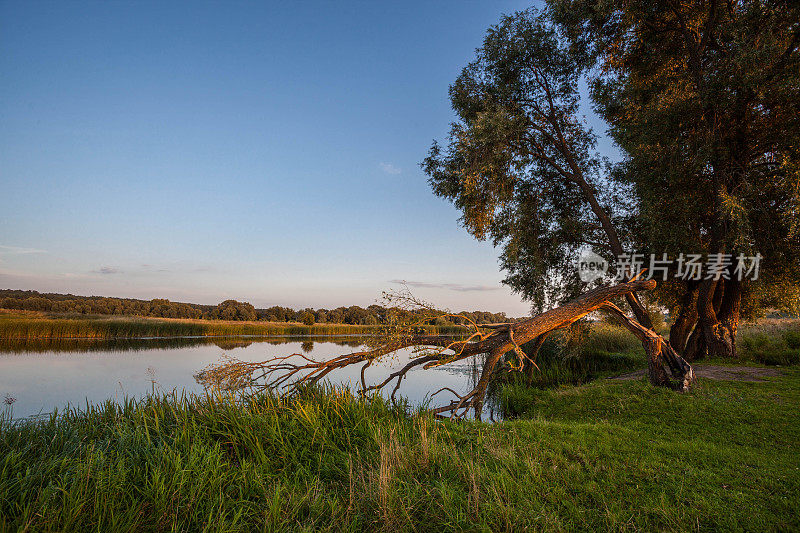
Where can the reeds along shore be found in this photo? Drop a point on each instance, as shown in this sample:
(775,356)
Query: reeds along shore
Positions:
(722,458)
(35,326)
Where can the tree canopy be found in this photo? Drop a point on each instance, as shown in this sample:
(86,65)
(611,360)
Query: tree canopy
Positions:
(521,163)
(702,98)
(227,310)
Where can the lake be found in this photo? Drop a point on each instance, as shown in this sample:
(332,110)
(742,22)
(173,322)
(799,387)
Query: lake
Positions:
(44,375)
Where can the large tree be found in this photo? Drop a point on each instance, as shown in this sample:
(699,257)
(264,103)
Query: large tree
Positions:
(704,99)
(521,163)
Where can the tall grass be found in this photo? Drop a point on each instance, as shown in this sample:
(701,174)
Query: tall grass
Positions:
(770,342)
(96,327)
(608,456)
(605,349)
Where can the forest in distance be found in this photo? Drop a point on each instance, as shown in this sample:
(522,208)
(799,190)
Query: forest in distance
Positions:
(230,310)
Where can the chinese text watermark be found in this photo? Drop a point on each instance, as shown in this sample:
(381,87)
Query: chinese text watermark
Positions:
(685,266)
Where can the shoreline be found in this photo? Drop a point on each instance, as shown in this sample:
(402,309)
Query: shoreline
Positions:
(29,326)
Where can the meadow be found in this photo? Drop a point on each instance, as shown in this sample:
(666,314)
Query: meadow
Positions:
(607,455)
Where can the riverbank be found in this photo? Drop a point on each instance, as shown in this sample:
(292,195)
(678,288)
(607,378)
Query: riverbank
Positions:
(605,456)
(36,325)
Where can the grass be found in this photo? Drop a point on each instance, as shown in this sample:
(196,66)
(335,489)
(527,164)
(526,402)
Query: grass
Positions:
(603,455)
(606,350)
(770,342)
(608,455)
(33,325)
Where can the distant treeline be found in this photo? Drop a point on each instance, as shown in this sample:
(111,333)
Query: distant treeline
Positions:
(227,310)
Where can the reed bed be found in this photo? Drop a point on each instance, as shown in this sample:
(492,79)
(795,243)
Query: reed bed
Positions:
(41,326)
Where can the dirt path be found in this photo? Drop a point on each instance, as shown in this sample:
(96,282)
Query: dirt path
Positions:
(726,373)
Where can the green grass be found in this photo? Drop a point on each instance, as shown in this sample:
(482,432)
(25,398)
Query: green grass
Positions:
(606,350)
(770,342)
(610,455)
(44,326)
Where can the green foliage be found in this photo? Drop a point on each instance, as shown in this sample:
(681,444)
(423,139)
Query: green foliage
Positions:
(792,339)
(567,358)
(768,350)
(227,310)
(520,164)
(704,101)
(307,318)
(97,305)
(233,310)
(608,456)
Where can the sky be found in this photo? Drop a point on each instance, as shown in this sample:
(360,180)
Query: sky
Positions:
(263,151)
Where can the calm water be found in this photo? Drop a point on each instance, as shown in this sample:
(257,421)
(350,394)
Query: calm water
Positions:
(47,375)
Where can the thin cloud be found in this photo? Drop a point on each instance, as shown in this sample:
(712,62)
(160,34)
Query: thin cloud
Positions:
(107,270)
(177,268)
(152,268)
(390,168)
(447,286)
(16,250)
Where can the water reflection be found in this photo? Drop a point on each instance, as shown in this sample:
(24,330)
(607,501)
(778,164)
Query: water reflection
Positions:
(46,374)
(169,343)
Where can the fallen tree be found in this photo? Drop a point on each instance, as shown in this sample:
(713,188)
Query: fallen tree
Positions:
(665,367)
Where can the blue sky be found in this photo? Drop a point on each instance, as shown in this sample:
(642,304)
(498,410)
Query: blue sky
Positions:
(266,152)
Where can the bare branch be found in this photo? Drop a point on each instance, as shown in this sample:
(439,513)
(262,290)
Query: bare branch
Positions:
(493,340)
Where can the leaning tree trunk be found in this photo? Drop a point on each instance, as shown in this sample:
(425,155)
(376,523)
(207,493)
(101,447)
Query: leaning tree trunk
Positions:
(658,353)
(492,340)
(530,367)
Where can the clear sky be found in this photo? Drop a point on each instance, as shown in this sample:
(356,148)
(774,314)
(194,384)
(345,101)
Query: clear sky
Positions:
(263,151)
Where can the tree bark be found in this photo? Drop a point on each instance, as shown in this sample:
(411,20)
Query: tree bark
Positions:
(530,367)
(614,241)
(486,376)
(696,345)
(716,337)
(729,310)
(686,319)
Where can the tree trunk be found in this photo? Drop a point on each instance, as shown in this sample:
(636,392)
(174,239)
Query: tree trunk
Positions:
(686,319)
(500,339)
(614,242)
(483,382)
(695,349)
(716,337)
(659,353)
(730,307)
